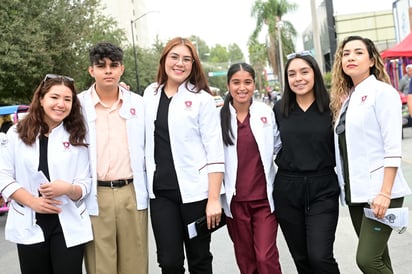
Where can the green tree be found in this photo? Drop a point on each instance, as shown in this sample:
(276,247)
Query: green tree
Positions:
(235,54)
(147,64)
(48,36)
(269,13)
(220,59)
(201,47)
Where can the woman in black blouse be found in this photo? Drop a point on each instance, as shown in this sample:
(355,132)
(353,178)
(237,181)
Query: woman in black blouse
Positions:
(306,190)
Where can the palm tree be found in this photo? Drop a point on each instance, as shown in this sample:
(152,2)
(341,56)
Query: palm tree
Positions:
(258,59)
(270,13)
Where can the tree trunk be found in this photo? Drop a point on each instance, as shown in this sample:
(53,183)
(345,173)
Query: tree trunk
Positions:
(273,53)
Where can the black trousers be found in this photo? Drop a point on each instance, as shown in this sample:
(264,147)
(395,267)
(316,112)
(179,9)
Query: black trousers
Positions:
(169,217)
(307,209)
(51,256)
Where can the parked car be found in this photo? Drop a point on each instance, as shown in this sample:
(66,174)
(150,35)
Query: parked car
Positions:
(15,112)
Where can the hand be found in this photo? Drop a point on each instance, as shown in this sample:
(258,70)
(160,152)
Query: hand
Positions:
(213,213)
(55,189)
(45,205)
(379,205)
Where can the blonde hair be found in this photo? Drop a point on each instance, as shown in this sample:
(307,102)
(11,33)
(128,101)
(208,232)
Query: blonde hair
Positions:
(342,83)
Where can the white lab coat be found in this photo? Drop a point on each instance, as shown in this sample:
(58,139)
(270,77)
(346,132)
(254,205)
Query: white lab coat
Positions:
(373,136)
(132,111)
(265,131)
(195,139)
(19,164)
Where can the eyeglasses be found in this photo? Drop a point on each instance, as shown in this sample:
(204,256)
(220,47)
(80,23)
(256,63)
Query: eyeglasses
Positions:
(54,76)
(186,60)
(298,54)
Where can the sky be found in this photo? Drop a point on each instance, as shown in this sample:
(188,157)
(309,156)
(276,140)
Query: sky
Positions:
(229,21)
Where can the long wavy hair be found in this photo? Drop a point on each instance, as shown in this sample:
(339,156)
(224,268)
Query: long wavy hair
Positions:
(34,124)
(342,83)
(225,116)
(288,101)
(197,76)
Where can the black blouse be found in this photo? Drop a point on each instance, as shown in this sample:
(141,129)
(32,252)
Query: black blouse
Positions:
(307,140)
(165,177)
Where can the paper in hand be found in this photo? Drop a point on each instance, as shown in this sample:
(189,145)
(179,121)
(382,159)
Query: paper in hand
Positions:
(395,217)
(39,178)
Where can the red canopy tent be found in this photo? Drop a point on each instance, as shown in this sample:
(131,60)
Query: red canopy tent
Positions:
(403,49)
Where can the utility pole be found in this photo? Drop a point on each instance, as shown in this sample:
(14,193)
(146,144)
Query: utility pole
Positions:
(134,49)
(316,36)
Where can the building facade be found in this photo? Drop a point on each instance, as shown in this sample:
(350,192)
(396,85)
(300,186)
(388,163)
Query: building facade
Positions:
(378,26)
(135,17)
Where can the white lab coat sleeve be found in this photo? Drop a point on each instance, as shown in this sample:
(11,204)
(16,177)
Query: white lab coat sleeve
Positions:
(276,135)
(83,176)
(211,135)
(8,183)
(389,116)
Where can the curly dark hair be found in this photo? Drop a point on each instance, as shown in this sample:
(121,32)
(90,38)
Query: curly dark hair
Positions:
(105,50)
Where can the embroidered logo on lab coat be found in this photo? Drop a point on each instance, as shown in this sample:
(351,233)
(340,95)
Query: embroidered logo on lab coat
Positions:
(133,111)
(66,145)
(363,99)
(264,121)
(188,105)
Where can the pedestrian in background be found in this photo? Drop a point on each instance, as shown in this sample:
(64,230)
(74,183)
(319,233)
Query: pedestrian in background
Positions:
(251,139)
(119,198)
(184,158)
(368,119)
(409,100)
(406,79)
(44,172)
(306,190)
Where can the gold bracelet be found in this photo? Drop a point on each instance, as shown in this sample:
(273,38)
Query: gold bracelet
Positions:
(385,195)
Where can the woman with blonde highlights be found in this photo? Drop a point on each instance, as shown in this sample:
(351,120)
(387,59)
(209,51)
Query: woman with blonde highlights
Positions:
(368,129)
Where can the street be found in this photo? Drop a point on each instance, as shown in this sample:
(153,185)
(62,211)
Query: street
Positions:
(224,262)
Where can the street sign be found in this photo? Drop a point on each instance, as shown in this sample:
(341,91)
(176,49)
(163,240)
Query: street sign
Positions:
(217,73)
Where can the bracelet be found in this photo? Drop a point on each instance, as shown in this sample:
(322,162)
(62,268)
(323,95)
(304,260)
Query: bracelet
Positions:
(385,195)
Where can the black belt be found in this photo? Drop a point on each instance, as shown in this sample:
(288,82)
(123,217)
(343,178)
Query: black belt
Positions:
(115,183)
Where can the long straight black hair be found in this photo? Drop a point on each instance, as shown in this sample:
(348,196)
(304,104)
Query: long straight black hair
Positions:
(288,101)
(227,132)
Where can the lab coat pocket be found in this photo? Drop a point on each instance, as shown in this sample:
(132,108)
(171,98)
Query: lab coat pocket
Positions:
(82,211)
(20,216)
(376,176)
